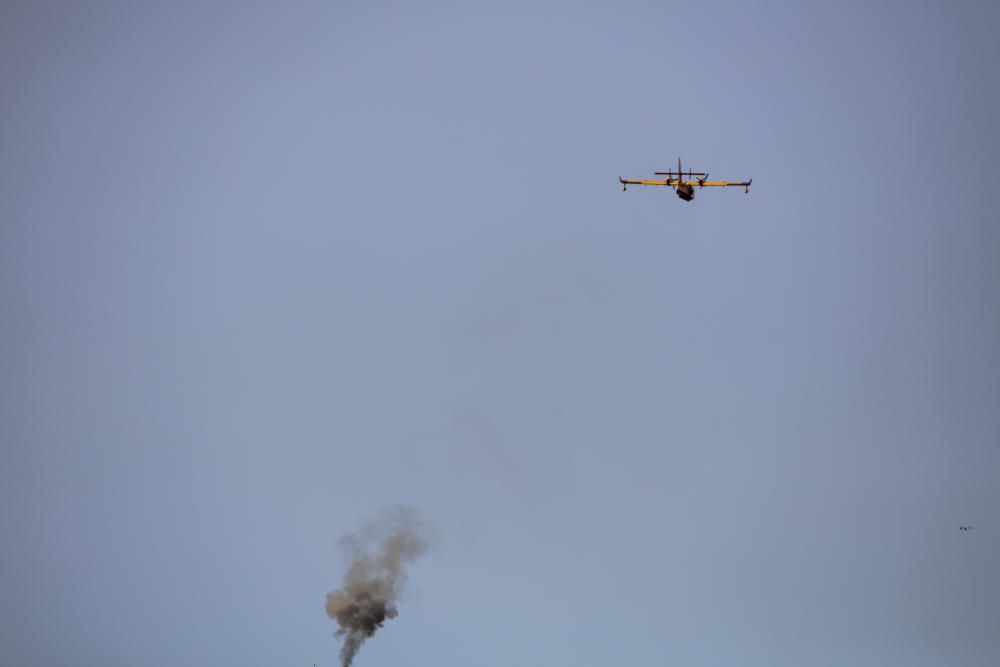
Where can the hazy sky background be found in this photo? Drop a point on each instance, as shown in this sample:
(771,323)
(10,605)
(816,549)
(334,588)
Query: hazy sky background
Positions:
(266,267)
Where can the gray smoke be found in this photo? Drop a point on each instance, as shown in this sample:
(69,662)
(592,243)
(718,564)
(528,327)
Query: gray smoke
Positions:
(378,555)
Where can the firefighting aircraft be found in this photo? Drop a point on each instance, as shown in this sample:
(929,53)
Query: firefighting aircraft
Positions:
(685,189)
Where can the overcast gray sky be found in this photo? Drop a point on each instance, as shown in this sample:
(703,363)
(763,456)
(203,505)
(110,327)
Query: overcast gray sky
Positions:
(266,267)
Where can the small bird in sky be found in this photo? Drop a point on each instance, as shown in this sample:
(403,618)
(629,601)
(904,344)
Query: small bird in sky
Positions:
(965,528)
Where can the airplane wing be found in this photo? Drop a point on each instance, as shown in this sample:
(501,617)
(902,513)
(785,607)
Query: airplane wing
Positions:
(721,184)
(718,184)
(671,182)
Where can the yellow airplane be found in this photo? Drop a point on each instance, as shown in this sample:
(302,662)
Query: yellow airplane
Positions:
(685,189)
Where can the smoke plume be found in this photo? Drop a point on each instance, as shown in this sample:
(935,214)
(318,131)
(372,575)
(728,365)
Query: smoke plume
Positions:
(378,554)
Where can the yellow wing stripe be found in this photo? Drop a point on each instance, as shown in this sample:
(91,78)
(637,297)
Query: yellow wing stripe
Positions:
(716,184)
(649,182)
